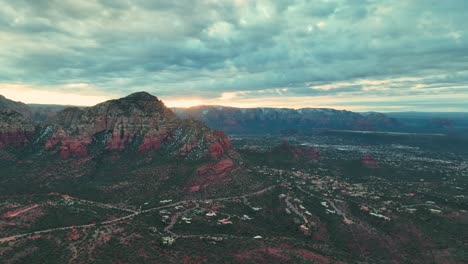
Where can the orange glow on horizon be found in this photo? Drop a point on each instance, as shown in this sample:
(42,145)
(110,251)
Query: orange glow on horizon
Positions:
(30,95)
(183,103)
(85,95)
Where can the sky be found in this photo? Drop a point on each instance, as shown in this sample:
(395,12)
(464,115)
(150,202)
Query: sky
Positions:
(360,55)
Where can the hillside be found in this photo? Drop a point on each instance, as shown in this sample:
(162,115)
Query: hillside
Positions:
(133,148)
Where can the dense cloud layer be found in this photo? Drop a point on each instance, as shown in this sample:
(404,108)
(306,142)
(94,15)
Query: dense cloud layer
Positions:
(345,52)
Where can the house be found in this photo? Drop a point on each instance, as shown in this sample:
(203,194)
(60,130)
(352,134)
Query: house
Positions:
(168,241)
(246,217)
(211,214)
(225,221)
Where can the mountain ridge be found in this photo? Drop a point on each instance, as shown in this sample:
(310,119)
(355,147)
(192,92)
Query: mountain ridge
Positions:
(274,120)
(136,129)
(270,120)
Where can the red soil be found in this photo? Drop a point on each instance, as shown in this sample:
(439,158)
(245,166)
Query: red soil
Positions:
(73,235)
(69,147)
(216,151)
(17,212)
(152,142)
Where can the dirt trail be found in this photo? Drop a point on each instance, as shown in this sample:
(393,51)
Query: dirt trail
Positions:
(19,211)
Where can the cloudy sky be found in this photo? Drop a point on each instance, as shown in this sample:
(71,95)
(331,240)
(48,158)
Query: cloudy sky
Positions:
(382,55)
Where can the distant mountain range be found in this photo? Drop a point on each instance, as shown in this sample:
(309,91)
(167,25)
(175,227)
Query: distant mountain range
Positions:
(291,121)
(287,121)
(276,120)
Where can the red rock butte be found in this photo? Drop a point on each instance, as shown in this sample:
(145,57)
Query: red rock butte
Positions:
(139,122)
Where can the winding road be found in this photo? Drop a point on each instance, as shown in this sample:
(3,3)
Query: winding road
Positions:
(132,215)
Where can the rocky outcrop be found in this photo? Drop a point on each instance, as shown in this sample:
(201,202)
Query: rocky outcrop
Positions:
(369,161)
(155,139)
(220,143)
(67,146)
(139,122)
(300,152)
(307,153)
(34,112)
(15,130)
(133,146)
(218,168)
(215,173)
(15,139)
(137,127)
(216,150)
(185,150)
(19,107)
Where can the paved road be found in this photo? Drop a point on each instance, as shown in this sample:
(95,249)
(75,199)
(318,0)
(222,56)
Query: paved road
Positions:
(332,204)
(104,205)
(295,210)
(175,218)
(339,212)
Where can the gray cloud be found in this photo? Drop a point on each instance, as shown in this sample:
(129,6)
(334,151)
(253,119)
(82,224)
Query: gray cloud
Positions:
(205,48)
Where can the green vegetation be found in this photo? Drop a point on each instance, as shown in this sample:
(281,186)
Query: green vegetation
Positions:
(358,201)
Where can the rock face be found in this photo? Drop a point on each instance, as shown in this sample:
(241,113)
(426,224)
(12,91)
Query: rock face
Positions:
(15,130)
(134,135)
(19,107)
(303,152)
(213,174)
(123,122)
(273,120)
(139,122)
